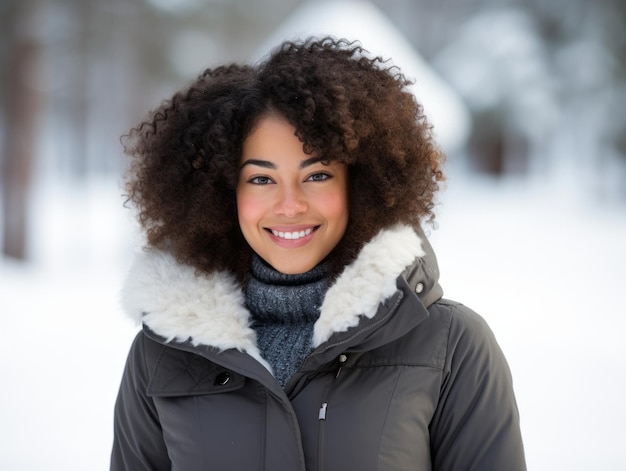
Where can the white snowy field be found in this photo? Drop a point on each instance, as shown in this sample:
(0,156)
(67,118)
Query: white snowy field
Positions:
(544,269)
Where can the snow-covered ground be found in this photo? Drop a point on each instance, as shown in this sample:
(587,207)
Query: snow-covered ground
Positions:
(544,269)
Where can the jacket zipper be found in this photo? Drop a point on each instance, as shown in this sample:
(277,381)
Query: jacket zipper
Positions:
(322,414)
(323,410)
(321,433)
(342,359)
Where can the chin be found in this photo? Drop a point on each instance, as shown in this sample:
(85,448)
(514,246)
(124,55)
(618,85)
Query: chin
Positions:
(293,268)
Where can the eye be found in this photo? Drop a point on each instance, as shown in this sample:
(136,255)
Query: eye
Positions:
(318,177)
(260,180)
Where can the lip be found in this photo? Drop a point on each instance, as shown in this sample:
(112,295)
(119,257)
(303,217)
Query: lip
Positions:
(304,235)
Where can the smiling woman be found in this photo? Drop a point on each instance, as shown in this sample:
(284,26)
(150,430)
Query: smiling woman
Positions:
(293,208)
(291,310)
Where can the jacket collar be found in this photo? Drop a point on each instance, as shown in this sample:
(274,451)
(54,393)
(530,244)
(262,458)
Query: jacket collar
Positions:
(180,304)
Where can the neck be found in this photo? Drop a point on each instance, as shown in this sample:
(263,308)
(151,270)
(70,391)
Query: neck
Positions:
(284,309)
(287,298)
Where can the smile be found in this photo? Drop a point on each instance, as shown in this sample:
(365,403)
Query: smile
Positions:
(292,235)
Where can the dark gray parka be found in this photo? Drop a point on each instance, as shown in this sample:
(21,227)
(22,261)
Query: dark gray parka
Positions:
(400,379)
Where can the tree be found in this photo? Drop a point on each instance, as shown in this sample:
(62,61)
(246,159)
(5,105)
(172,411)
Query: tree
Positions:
(21,117)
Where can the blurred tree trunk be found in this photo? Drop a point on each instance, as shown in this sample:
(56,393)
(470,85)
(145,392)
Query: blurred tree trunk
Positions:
(79,79)
(23,104)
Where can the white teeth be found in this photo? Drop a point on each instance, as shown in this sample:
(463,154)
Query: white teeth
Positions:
(292,235)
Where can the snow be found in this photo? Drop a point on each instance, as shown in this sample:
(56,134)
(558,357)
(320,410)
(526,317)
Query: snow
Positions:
(543,267)
(66,339)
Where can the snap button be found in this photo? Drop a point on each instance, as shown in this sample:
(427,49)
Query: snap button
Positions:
(223,378)
(419,288)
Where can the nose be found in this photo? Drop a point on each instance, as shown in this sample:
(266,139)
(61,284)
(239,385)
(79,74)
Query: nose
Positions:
(291,202)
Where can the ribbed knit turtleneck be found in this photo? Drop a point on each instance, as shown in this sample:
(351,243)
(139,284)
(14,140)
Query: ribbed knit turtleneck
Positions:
(284,309)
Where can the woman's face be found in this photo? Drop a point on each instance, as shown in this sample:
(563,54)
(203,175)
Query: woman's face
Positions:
(293,209)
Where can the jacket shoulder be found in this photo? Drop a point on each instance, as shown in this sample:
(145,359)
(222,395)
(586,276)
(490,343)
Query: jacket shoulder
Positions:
(476,422)
(144,354)
(459,316)
(434,341)
(469,337)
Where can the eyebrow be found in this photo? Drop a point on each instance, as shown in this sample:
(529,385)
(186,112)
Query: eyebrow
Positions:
(258,163)
(267,164)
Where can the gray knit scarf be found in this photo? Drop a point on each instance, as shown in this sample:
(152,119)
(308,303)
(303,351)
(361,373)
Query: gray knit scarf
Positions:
(284,309)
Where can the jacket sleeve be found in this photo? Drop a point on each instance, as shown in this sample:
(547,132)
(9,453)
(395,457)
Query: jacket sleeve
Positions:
(476,423)
(137,436)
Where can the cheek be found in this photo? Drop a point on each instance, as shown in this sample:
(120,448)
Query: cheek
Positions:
(248,209)
(335,206)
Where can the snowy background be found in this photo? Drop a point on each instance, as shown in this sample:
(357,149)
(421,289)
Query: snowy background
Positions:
(545,269)
(528,98)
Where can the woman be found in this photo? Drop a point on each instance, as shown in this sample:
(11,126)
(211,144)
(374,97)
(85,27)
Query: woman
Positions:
(292,317)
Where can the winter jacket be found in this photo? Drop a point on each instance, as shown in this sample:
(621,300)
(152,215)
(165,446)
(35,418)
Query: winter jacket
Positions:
(399,379)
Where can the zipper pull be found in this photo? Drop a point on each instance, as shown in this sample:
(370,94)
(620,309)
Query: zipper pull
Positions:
(322,414)
(342,359)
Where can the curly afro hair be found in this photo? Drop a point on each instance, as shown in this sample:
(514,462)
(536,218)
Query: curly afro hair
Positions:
(344,105)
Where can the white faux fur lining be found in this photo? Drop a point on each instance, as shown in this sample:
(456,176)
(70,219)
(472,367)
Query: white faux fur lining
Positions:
(177,303)
(368,281)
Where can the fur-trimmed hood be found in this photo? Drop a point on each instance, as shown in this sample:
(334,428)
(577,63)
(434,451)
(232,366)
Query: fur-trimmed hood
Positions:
(177,303)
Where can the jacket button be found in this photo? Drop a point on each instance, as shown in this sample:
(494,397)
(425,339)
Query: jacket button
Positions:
(419,288)
(222,378)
